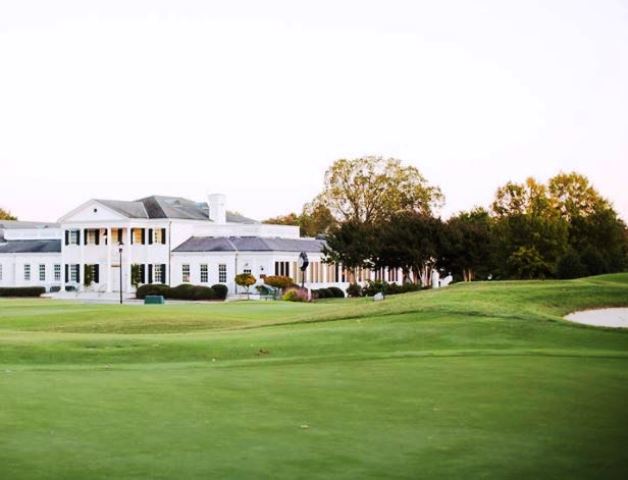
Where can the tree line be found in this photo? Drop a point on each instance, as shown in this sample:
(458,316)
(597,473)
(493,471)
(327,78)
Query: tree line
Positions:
(377,213)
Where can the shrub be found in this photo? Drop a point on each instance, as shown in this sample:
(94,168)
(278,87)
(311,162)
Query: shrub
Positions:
(336,292)
(279,281)
(220,290)
(245,280)
(324,293)
(375,286)
(295,295)
(184,291)
(153,289)
(354,290)
(22,291)
(570,266)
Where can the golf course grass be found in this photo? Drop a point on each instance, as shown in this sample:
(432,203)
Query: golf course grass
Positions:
(482,380)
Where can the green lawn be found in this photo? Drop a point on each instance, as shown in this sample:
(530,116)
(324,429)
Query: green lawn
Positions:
(472,381)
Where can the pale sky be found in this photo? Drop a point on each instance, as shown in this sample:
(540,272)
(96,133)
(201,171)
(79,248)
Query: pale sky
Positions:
(255,99)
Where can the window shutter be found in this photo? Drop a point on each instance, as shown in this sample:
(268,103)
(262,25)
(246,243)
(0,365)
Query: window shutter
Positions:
(150,236)
(85,236)
(131,240)
(77,267)
(97,239)
(150,273)
(67,239)
(143,236)
(163,273)
(96,273)
(67,271)
(142,273)
(163,236)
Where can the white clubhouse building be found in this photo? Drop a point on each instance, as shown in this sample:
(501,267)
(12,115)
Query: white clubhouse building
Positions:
(167,240)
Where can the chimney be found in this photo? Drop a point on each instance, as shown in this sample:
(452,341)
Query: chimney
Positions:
(217,211)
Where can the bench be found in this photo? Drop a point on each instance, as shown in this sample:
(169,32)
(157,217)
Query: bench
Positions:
(154,300)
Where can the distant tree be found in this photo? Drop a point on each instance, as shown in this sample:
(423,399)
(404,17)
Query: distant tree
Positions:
(527,263)
(314,220)
(245,280)
(574,197)
(372,189)
(352,244)
(469,247)
(570,266)
(289,219)
(6,215)
(411,242)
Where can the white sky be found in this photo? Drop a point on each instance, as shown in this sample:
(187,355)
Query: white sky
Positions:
(123,99)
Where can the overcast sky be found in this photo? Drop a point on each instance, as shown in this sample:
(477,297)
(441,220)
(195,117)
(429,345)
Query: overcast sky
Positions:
(255,99)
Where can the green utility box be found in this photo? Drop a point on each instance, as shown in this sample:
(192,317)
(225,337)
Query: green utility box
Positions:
(154,300)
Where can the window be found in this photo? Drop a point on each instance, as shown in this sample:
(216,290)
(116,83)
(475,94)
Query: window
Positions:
(157,274)
(27,272)
(57,272)
(159,236)
(74,273)
(247,271)
(74,237)
(204,273)
(42,272)
(282,268)
(137,234)
(185,273)
(222,273)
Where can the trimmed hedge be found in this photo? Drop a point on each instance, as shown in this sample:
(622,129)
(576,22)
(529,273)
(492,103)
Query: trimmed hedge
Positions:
(184,291)
(336,292)
(22,291)
(220,290)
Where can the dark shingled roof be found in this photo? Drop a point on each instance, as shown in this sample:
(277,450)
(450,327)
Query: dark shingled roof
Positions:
(31,246)
(250,244)
(158,206)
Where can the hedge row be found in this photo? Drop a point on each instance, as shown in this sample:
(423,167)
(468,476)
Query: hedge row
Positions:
(330,292)
(184,291)
(22,291)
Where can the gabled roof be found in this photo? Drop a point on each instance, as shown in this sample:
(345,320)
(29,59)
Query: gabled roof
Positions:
(159,206)
(250,244)
(31,246)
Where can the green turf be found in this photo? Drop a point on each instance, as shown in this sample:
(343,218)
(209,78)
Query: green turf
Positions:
(473,381)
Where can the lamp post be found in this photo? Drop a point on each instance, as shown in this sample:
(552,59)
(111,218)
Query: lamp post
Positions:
(120,244)
(303,262)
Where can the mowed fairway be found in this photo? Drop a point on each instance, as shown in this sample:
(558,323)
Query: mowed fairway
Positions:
(472,381)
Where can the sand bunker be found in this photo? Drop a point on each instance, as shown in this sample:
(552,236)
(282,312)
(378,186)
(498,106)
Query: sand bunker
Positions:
(606,317)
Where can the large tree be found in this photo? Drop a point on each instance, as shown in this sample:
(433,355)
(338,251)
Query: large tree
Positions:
(469,246)
(372,189)
(6,215)
(409,241)
(314,220)
(352,244)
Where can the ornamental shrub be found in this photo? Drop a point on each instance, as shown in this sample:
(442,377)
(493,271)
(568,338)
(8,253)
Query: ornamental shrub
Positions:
(153,289)
(354,290)
(295,295)
(324,293)
(220,290)
(22,291)
(336,292)
(279,281)
(375,286)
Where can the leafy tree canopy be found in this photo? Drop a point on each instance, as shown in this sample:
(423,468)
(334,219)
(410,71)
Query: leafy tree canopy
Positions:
(371,189)
(6,215)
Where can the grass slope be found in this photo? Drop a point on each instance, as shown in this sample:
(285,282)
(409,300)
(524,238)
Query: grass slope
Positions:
(473,381)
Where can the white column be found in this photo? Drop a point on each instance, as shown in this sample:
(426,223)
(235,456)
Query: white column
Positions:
(108,246)
(82,239)
(129,256)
